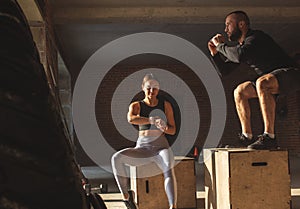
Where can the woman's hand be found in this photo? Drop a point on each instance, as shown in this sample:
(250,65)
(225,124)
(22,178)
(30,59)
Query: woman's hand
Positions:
(152,120)
(160,124)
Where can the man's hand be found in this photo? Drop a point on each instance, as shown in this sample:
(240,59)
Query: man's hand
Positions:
(214,42)
(218,39)
(212,48)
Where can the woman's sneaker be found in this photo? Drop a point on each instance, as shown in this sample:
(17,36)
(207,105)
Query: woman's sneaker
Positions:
(263,142)
(130,204)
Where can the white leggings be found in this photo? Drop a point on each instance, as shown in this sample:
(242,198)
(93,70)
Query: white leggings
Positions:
(147,150)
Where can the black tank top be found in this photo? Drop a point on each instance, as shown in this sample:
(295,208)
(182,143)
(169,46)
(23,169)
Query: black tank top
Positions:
(147,111)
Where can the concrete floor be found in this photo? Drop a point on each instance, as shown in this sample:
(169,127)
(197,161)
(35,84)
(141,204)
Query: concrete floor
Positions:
(98,176)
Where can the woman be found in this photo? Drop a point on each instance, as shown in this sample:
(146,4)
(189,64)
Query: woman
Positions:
(152,145)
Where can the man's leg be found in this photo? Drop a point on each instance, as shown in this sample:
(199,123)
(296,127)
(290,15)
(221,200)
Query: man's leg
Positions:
(267,86)
(242,94)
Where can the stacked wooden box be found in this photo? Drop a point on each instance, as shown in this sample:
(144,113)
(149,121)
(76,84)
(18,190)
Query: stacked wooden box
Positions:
(150,192)
(247,179)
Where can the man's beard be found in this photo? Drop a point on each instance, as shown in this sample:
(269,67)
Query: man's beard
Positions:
(236,34)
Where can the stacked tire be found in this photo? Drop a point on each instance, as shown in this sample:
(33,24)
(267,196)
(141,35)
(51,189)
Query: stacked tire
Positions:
(37,165)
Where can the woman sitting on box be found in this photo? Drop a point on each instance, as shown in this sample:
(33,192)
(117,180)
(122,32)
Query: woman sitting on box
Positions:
(152,145)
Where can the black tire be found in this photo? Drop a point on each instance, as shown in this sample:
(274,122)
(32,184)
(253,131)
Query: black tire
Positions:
(37,163)
(21,71)
(100,200)
(94,201)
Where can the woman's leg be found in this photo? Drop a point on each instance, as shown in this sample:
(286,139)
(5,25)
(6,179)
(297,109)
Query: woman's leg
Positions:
(165,160)
(129,156)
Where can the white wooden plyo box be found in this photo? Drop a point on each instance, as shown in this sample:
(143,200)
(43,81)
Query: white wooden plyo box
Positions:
(150,192)
(247,179)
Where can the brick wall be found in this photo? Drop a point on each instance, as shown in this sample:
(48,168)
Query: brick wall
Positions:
(43,35)
(287,122)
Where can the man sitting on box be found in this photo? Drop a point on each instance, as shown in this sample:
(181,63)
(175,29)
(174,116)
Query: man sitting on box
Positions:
(276,72)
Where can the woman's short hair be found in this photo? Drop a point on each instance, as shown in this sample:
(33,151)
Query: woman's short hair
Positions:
(147,77)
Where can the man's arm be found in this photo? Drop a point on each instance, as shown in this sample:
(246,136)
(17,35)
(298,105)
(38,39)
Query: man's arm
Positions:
(239,52)
(223,65)
(232,53)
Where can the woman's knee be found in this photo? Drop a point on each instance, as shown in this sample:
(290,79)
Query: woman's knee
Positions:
(116,158)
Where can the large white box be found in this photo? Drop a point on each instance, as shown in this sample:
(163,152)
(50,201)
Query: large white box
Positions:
(247,179)
(150,192)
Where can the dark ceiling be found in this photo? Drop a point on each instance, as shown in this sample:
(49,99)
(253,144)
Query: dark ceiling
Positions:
(82,27)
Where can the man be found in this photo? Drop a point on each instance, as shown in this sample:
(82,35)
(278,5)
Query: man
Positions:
(277,74)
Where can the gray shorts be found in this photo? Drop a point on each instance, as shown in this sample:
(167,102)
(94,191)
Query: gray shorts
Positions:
(288,79)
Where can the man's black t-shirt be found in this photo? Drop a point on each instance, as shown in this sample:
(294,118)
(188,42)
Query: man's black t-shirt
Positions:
(258,50)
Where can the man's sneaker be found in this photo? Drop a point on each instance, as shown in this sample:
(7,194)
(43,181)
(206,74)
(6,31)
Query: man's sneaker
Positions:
(130,204)
(264,141)
(245,141)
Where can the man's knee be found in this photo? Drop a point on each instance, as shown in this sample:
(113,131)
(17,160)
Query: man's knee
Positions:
(242,90)
(262,82)
(237,93)
(266,82)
